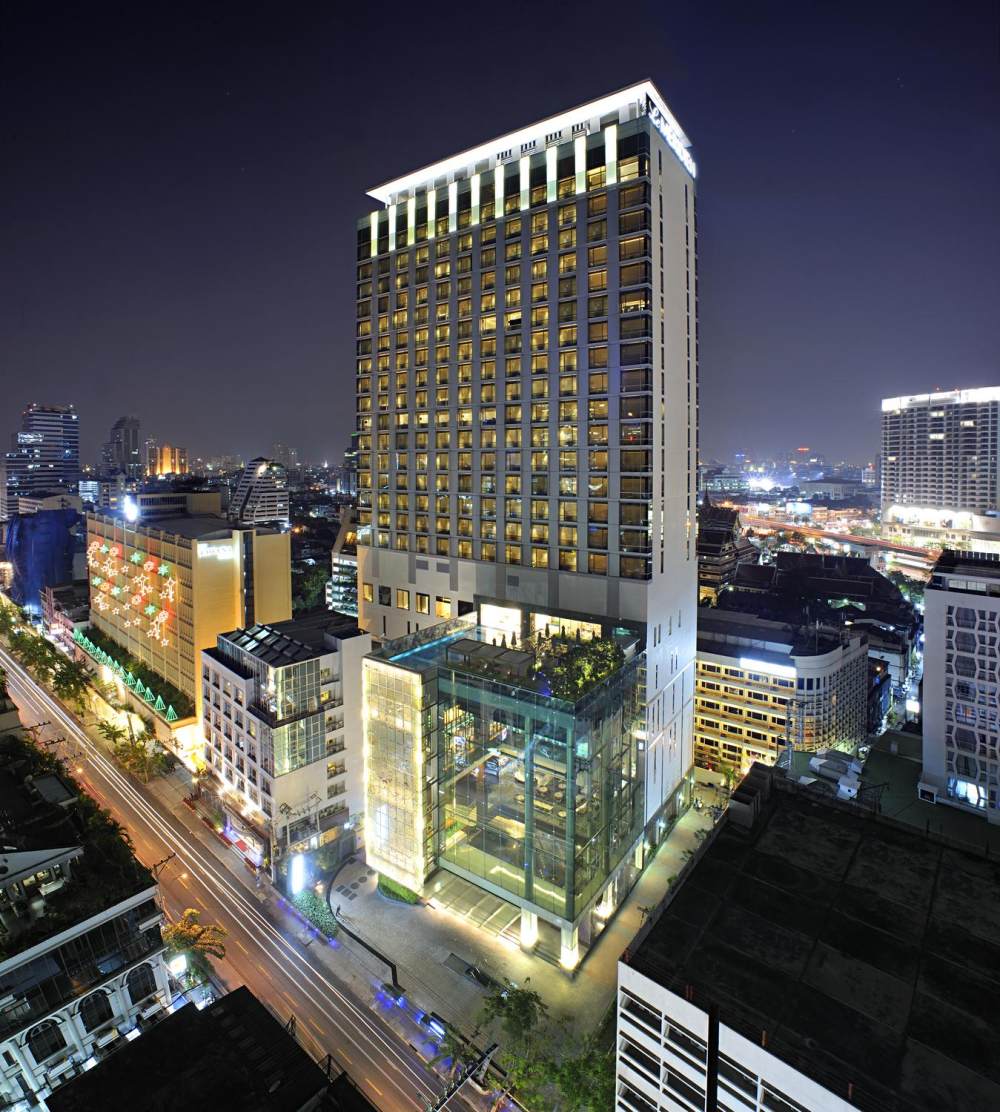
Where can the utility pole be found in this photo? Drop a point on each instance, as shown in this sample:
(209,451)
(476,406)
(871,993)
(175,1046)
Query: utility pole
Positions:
(161,865)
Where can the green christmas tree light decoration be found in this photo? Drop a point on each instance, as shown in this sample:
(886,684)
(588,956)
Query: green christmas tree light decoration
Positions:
(130,680)
(149,695)
(171,713)
(160,705)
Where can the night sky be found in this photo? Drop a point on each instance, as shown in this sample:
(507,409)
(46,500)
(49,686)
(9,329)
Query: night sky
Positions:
(179,190)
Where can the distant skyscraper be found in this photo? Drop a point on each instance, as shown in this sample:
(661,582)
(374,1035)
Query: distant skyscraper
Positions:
(125,449)
(940,478)
(165,459)
(287,457)
(45,454)
(261,496)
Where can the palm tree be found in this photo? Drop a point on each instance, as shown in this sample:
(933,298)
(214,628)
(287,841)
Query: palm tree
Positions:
(71,680)
(111,733)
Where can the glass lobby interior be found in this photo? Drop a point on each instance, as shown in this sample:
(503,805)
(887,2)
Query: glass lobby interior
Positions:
(538,796)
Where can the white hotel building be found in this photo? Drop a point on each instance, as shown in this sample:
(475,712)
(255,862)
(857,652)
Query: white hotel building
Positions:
(527,391)
(941,468)
(281,716)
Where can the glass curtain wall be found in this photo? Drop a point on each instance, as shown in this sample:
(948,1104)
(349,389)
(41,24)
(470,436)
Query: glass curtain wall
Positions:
(539,797)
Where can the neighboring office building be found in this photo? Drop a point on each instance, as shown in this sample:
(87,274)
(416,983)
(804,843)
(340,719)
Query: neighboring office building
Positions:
(48,500)
(342,587)
(347,478)
(961,730)
(281,715)
(233,1053)
(65,610)
(481,761)
(764,685)
(81,957)
(124,451)
(165,459)
(940,480)
(261,496)
(527,393)
(165,590)
(45,549)
(45,454)
(823,959)
(722,548)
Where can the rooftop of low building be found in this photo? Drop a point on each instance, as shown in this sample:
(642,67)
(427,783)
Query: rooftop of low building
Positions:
(863,952)
(721,631)
(231,1054)
(201,527)
(296,640)
(976,565)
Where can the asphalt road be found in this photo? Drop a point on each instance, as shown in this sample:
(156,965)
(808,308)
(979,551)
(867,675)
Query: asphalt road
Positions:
(274,964)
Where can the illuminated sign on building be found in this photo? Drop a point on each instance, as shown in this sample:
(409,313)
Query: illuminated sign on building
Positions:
(218,551)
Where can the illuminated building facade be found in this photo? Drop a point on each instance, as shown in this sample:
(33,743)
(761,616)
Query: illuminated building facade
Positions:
(961,730)
(941,468)
(45,454)
(763,685)
(165,459)
(506,747)
(165,590)
(527,392)
(281,714)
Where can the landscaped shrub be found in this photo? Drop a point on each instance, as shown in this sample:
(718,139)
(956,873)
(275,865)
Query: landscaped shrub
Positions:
(397,891)
(316,910)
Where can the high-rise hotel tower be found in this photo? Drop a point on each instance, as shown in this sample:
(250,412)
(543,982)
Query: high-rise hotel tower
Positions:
(527,394)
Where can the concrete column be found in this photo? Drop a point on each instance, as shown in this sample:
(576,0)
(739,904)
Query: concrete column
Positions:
(529,929)
(569,955)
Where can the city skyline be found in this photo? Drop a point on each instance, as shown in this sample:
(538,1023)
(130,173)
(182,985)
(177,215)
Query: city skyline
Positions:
(235,268)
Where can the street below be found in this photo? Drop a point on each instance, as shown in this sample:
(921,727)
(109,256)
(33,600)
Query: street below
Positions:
(275,962)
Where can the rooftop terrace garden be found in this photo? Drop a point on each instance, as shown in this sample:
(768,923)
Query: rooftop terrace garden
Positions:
(557,666)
